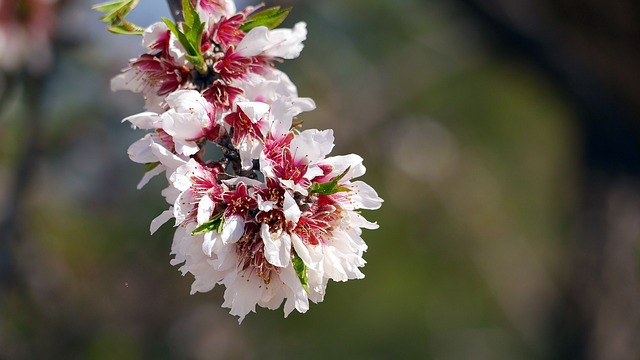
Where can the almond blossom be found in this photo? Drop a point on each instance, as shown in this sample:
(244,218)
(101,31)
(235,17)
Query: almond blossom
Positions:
(259,206)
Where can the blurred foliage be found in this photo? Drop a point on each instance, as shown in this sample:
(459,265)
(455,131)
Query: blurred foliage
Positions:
(472,151)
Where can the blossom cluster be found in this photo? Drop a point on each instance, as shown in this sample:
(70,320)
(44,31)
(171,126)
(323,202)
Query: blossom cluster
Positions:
(259,205)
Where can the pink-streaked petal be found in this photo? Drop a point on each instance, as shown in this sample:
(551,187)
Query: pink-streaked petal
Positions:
(154,33)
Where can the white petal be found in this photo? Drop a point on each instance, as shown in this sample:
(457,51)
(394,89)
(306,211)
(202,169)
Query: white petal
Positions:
(181,177)
(310,255)
(290,208)
(186,101)
(150,175)
(254,42)
(358,221)
(153,33)
(287,43)
(232,229)
(160,220)
(277,247)
(312,144)
(313,171)
(363,196)
(265,205)
(145,120)
(205,209)
(186,148)
(212,242)
(177,51)
(242,294)
(183,206)
(185,126)
(128,80)
(140,151)
(166,157)
(341,163)
(254,110)
(235,181)
(170,194)
(296,295)
(282,43)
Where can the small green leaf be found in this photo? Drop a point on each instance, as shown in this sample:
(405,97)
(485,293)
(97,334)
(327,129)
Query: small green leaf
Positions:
(189,12)
(197,62)
(107,7)
(170,25)
(115,9)
(150,166)
(191,38)
(301,271)
(174,29)
(115,13)
(330,187)
(270,18)
(214,224)
(124,30)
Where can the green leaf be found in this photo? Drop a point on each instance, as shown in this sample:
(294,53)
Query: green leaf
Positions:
(330,187)
(107,7)
(124,30)
(214,224)
(190,37)
(150,166)
(188,12)
(115,13)
(115,9)
(194,36)
(180,35)
(197,61)
(301,271)
(170,25)
(270,18)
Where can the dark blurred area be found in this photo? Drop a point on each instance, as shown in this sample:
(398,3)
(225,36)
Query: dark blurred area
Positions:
(503,136)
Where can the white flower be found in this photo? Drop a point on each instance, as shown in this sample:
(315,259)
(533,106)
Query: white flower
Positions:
(265,216)
(274,87)
(198,188)
(188,119)
(292,160)
(278,43)
(213,10)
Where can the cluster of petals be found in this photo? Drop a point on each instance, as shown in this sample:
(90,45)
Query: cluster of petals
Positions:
(255,219)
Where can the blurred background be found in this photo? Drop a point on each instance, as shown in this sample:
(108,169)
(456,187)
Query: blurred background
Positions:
(503,136)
